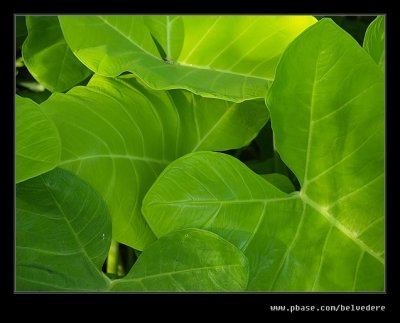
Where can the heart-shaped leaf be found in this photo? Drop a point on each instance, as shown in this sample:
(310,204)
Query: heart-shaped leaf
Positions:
(63,233)
(228,57)
(119,136)
(327,113)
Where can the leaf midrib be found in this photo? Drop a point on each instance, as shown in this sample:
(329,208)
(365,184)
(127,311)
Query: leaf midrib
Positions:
(168,32)
(228,111)
(220,70)
(180,63)
(333,221)
(307,200)
(235,201)
(82,248)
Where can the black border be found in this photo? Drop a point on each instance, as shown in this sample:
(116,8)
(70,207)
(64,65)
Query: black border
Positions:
(206,305)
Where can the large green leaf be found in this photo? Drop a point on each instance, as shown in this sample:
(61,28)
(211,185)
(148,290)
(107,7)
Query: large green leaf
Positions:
(119,136)
(228,57)
(48,57)
(37,144)
(213,191)
(187,260)
(63,232)
(327,112)
(374,40)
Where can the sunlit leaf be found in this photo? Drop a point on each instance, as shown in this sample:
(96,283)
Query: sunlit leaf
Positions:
(327,113)
(37,143)
(119,136)
(228,57)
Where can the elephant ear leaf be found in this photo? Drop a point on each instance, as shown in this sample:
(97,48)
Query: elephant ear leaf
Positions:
(226,57)
(63,233)
(187,260)
(332,137)
(124,134)
(327,113)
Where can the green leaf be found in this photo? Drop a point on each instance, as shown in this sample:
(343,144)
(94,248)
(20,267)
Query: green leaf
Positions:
(119,136)
(280,181)
(187,260)
(212,191)
(374,41)
(63,232)
(168,32)
(228,57)
(327,112)
(332,138)
(48,57)
(37,144)
(328,117)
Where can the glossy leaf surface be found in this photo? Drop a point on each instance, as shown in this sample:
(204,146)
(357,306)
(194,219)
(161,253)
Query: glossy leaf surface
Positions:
(119,136)
(327,112)
(228,57)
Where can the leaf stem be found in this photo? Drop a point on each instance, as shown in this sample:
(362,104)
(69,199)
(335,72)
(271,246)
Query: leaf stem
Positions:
(113,258)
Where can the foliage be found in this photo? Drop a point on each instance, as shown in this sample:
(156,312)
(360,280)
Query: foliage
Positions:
(205,153)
